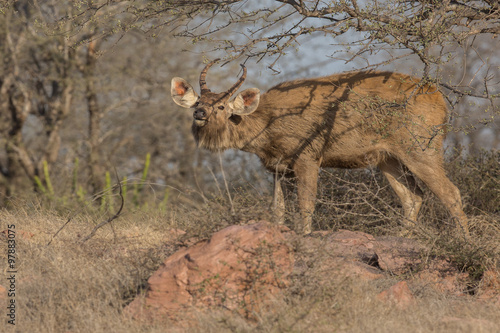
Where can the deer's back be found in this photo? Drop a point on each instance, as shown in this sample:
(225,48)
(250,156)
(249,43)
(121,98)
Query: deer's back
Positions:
(348,120)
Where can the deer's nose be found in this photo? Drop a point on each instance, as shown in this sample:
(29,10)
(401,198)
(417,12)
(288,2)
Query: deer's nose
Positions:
(200,114)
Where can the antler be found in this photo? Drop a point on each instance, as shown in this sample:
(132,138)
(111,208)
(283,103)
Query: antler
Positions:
(232,90)
(203,75)
(238,84)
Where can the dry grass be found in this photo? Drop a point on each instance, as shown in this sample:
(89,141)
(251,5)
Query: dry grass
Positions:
(74,287)
(71,286)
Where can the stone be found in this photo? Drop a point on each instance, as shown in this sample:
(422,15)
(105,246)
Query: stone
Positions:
(398,255)
(342,253)
(489,288)
(239,268)
(399,294)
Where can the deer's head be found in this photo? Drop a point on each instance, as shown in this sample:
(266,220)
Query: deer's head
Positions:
(214,109)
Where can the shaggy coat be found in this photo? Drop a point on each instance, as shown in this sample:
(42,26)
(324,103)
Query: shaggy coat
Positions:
(349,120)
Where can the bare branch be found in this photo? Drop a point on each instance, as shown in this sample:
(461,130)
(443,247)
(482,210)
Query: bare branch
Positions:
(112,218)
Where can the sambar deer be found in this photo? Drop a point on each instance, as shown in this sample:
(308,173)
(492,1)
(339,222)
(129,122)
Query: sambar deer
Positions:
(350,120)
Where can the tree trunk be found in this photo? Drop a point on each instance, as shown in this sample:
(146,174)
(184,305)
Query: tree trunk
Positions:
(95,115)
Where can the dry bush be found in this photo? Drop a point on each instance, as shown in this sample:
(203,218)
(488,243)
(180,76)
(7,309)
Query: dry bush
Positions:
(363,200)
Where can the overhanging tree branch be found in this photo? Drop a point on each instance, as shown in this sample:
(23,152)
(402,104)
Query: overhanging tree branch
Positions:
(269,29)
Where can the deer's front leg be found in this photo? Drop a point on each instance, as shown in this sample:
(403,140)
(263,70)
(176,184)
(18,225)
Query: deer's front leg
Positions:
(307,185)
(278,203)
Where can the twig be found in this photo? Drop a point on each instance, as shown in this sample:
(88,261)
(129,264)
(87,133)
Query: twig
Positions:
(225,184)
(61,228)
(112,218)
(71,218)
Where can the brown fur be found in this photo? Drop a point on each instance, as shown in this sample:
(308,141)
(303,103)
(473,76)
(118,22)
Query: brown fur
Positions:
(349,120)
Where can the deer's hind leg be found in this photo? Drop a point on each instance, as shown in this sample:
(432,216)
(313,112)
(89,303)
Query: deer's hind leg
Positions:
(406,188)
(430,170)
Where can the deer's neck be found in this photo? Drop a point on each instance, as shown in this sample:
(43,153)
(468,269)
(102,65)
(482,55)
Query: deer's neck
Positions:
(247,132)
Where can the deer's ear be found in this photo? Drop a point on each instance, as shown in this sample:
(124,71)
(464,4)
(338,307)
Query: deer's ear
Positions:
(182,93)
(246,102)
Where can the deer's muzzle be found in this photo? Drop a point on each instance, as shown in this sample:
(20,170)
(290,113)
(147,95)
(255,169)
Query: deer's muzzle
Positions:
(200,114)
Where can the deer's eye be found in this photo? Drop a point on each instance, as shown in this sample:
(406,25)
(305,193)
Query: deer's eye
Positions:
(196,104)
(221,107)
